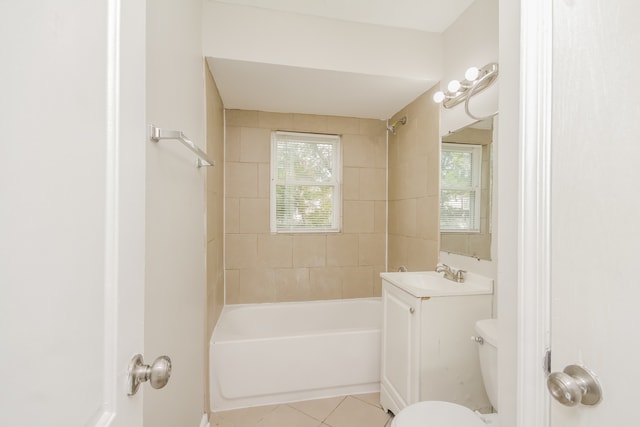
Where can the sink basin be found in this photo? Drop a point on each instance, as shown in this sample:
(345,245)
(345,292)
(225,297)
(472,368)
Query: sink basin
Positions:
(431,284)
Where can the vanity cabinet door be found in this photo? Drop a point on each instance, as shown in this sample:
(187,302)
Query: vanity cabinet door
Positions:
(400,348)
(449,362)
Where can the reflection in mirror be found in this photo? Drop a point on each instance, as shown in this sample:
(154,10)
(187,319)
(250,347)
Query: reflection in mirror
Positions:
(465,191)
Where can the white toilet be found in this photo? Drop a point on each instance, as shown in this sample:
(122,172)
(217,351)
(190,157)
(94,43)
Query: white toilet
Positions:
(447,414)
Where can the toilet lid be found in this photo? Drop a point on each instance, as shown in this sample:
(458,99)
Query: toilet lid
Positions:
(436,413)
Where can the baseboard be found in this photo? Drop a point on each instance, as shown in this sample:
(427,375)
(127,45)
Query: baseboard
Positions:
(204,422)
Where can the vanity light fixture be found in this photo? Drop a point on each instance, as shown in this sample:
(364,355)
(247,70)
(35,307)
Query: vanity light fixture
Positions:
(475,81)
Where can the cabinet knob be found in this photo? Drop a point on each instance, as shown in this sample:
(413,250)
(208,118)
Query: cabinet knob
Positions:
(478,339)
(412,310)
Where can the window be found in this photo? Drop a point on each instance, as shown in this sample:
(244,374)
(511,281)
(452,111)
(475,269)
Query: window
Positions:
(460,190)
(305,182)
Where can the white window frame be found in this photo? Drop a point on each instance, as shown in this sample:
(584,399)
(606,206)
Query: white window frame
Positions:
(335,182)
(476,186)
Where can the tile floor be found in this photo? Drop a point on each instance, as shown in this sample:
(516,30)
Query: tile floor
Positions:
(362,410)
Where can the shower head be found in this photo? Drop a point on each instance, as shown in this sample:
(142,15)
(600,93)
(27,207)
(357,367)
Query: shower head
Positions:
(392,127)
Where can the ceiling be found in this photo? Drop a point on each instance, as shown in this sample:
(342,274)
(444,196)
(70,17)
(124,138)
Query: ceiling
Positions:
(279,88)
(250,85)
(424,15)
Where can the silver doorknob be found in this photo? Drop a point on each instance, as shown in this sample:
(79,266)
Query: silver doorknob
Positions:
(574,385)
(157,374)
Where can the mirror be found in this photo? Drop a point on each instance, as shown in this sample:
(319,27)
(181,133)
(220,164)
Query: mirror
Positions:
(465,191)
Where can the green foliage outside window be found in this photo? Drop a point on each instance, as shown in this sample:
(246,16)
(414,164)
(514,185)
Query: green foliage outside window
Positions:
(460,182)
(305,184)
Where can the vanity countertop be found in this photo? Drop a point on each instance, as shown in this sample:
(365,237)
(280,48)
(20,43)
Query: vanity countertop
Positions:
(423,284)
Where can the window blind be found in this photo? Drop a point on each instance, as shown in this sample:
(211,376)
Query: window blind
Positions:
(460,187)
(305,184)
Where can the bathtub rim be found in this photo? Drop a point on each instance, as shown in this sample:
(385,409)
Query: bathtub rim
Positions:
(297,395)
(266,305)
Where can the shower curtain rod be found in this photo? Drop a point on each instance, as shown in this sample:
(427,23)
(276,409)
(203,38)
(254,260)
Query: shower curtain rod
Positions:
(157,134)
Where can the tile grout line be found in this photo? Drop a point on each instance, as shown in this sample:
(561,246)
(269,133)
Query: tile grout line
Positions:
(367,404)
(334,409)
(378,407)
(322,420)
(311,416)
(355,396)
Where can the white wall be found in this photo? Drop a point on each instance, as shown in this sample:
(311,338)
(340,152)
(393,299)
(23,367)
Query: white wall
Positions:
(52,216)
(259,35)
(472,40)
(71,211)
(175,284)
(508,159)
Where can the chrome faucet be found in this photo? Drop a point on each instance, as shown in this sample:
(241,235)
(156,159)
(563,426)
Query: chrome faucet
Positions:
(448,272)
(459,276)
(451,274)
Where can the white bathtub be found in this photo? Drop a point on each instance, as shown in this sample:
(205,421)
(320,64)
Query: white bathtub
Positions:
(262,354)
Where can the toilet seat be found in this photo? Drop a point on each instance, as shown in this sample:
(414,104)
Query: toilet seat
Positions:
(437,413)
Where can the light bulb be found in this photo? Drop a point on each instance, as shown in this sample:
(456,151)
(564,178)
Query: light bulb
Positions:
(453,86)
(438,97)
(471,74)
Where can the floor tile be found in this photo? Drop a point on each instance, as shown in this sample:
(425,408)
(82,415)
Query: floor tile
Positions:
(247,417)
(320,408)
(354,412)
(361,410)
(216,421)
(370,398)
(285,416)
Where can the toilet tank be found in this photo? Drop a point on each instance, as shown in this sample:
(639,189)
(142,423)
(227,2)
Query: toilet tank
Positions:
(488,353)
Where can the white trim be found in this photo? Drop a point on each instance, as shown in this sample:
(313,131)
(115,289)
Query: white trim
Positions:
(110,398)
(475,188)
(204,422)
(335,183)
(534,227)
(124,209)
(386,200)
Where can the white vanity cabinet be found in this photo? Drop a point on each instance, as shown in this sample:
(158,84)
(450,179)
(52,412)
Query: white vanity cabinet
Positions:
(427,350)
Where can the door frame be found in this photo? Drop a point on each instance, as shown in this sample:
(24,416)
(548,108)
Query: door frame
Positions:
(125,153)
(534,222)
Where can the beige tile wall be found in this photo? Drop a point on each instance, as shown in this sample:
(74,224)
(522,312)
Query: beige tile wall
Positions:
(215,199)
(414,169)
(265,267)
(215,216)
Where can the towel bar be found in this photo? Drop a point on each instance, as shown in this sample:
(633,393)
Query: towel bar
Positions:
(157,134)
